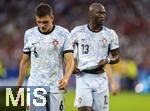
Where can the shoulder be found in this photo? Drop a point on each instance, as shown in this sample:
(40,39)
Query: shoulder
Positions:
(31,30)
(61,29)
(79,28)
(109,30)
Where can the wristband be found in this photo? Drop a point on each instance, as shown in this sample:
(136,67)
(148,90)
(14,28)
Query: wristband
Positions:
(108,60)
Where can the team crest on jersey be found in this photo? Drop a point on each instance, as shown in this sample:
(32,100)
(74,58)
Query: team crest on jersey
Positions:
(104,42)
(55,42)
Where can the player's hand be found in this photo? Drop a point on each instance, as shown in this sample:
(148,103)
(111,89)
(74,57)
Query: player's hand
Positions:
(114,87)
(103,62)
(76,70)
(63,83)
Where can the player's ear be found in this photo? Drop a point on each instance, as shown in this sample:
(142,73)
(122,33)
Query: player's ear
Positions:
(52,17)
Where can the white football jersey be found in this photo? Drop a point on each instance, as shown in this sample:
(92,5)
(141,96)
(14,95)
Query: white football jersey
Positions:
(46,52)
(91,47)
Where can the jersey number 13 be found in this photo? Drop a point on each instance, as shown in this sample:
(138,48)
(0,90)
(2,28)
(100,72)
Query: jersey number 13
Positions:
(85,48)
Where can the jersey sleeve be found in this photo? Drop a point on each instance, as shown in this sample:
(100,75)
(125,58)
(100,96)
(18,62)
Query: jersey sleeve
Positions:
(67,44)
(26,48)
(74,43)
(114,42)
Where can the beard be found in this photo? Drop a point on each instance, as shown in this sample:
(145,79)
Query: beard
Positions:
(100,23)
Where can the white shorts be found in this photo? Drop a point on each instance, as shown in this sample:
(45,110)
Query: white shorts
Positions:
(53,102)
(92,90)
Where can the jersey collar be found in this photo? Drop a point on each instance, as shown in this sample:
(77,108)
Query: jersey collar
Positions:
(92,30)
(46,33)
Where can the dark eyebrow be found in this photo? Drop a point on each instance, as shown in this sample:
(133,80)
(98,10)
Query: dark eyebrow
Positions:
(42,21)
(45,21)
(100,11)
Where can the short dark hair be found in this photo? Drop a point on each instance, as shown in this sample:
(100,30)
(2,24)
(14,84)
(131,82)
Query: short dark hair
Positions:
(43,9)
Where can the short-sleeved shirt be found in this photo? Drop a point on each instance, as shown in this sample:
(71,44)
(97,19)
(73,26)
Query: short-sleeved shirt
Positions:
(46,52)
(91,47)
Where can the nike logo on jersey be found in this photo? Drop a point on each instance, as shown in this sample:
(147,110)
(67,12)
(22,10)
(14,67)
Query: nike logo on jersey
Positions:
(83,39)
(34,43)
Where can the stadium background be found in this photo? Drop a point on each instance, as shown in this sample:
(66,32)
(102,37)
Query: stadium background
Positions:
(130,19)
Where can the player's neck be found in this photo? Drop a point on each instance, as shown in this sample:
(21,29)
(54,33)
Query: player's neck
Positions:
(49,31)
(94,27)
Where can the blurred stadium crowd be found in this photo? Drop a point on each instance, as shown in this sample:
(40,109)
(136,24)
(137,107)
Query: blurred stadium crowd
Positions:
(129,18)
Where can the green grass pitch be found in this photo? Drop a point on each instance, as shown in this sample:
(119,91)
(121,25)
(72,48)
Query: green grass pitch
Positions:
(124,101)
